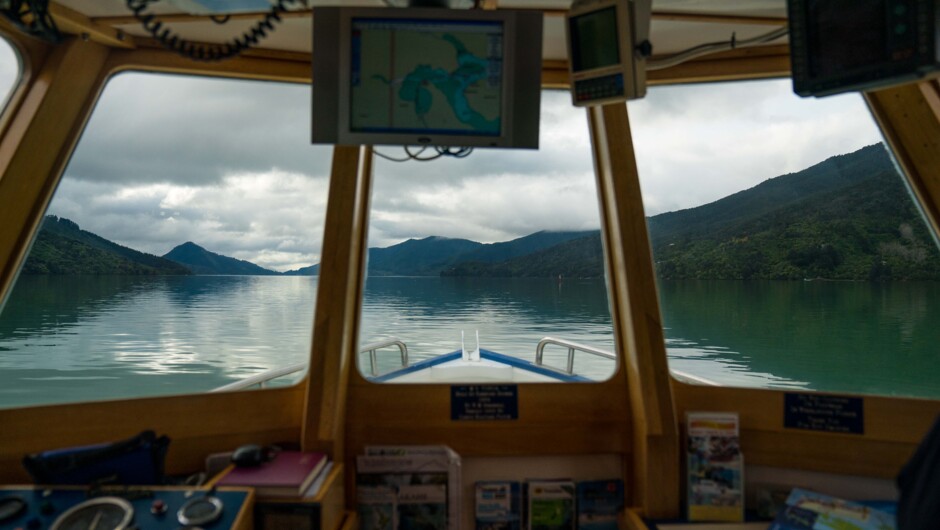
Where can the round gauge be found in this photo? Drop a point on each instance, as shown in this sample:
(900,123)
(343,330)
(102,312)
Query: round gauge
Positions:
(102,513)
(199,510)
(10,507)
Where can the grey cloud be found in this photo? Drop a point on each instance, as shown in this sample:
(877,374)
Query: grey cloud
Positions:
(162,128)
(157,166)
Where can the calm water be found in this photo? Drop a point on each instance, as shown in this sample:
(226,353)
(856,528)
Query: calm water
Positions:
(78,338)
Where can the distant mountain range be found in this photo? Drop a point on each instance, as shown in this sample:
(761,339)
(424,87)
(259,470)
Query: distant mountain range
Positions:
(63,248)
(201,261)
(848,217)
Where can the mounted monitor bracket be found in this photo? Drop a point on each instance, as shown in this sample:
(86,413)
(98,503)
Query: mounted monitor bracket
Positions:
(608,43)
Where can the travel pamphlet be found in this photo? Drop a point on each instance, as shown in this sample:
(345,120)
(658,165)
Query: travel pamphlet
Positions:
(550,505)
(808,510)
(498,505)
(715,467)
(599,504)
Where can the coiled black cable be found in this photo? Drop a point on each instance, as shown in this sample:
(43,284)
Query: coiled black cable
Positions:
(32,18)
(207,52)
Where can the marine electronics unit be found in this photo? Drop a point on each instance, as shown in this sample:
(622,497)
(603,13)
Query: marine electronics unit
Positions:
(843,45)
(427,77)
(606,40)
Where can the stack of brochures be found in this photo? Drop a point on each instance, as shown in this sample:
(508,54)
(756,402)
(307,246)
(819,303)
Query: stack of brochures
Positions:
(808,510)
(408,487)
(544,504)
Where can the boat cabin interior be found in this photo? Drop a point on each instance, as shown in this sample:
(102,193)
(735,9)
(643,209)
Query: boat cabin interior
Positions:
(630,426)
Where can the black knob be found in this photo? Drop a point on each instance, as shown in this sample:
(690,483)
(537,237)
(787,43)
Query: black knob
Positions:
(645,48)
(46,508)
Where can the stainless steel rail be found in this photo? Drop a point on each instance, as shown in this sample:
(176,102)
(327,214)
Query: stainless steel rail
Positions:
(572,347)
(375,346)
(262,379)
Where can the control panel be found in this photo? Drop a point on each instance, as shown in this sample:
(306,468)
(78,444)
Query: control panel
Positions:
(136,508)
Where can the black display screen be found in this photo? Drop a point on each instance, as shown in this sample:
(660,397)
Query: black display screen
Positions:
(846,35)
(594,41)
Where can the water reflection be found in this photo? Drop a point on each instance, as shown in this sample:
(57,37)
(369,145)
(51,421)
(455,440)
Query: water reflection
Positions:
(839,336)
(511,315)
(78,338)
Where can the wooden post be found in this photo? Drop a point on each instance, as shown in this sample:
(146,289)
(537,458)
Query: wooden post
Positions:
(38,141)
(909,117)
(339,297)
(635,312)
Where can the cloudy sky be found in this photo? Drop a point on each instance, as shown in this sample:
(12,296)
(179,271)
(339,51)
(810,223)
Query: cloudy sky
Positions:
(228,165)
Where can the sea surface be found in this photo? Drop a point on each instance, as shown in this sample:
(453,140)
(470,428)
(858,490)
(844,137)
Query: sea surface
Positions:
(66,339)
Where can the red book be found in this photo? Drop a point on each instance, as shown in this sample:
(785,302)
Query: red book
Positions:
(289,474)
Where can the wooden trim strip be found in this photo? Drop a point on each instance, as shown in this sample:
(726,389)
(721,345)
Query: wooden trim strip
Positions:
(75,23)
(708,18)
(683,16)
(186,18)
(38,142)
(335,333)
(197,425)
(635,313)
(909,119)
(32,54)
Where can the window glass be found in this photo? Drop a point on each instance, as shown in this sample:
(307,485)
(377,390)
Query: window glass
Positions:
(176,254)
(504,244)
(10,71)
(788,251)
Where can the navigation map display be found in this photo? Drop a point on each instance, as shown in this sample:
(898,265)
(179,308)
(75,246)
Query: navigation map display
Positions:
(426,76)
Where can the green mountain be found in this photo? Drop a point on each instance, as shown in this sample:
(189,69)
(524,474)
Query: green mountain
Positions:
(201,261)
(418,257)
(433,255)
(312,270)
(577,258)
(63,248)
(847,218)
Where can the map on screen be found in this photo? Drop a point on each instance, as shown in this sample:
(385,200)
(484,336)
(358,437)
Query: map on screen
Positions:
(422,76)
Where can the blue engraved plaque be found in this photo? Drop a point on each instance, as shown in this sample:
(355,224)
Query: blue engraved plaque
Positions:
(817,412)
(484,402)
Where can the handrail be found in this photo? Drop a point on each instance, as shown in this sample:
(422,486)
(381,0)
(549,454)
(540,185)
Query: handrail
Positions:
(686,377)
(262,378)
(572,347)
(372,348)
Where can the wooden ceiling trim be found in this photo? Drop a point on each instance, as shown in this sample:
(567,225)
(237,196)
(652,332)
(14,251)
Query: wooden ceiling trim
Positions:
(685,16)
(124,20)
(676,16)
(75,23)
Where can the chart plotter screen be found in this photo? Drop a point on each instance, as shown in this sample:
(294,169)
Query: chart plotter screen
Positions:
(427,76)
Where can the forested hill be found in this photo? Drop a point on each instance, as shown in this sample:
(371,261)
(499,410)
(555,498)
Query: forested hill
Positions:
(432,255)
(577,258)
(848,218)
(202,261)
(63,248)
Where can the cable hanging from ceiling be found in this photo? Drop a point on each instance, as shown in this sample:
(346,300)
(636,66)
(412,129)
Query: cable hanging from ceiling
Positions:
(713,47)
(439,151)
(32,17)
(199,51)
